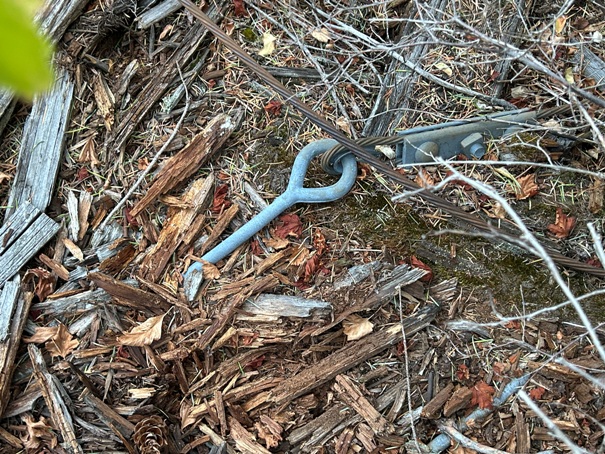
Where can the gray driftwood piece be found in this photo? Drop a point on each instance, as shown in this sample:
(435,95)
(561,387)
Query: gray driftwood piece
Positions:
(21,236)
(14,307)
(269,307)
(54,395)
(41,146)
(54,18)
(592,66)
(157,13)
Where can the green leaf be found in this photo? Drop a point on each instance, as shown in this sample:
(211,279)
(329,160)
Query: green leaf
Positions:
(25,56)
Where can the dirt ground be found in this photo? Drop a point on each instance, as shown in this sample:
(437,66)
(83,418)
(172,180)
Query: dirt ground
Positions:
(362,325)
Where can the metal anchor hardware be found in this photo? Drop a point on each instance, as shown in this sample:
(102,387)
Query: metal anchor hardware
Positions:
(295,193)
(443,140)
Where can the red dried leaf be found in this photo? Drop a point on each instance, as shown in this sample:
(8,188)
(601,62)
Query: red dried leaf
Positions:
(273,107)
(417,263)
(256,249)
(311,268)
(563,224)
(513,324)
(132,221)
(45,282)
(462,184)
(239,9)
(537,393)
(527,187)
(462,372)
(220,202)
(493,76)
(82,174)
(255,363)
(288,225)
(483,395)
(593,261)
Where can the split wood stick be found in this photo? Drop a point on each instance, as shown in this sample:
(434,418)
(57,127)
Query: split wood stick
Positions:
(175,228)
(53,396)
(350,356)
(186,162)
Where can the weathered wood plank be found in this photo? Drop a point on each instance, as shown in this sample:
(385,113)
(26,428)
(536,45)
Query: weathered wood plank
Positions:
(14,307)
(53,396)
(24,234)
(42,146)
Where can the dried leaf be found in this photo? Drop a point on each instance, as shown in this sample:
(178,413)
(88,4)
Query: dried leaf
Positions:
(424,179)
(42,334)
(595,196)
(38,433)
(299,256)
(45,282)
(277,243)
(462,372)
(73,248)
(144,334)
(355,327)
(417,263)
(322,35)
(62,343)
(560,24)
(273,107)
(527,187)
(537,393)
(483,395)
(288,225)
(444,68)
(343,124)
(319,242)
(210,271)
(569,75)
(268,45)
(88,153)
(239,9)
(563,224)
(311,267)
(220,202)
(166,31)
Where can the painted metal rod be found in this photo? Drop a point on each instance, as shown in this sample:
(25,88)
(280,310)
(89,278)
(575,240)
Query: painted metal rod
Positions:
(295,193)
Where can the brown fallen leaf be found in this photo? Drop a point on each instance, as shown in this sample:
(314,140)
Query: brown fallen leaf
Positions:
(220,202)
(288,224)
(42,334)
(355,327)
(62,343)
(144,334)
(210,271)
(536,393)
(563,224)
(483,395)
(527,187)
(276,243)
(38,433)
(45,282)
(239,9)
(424,179)
(595,196)
(273,107)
